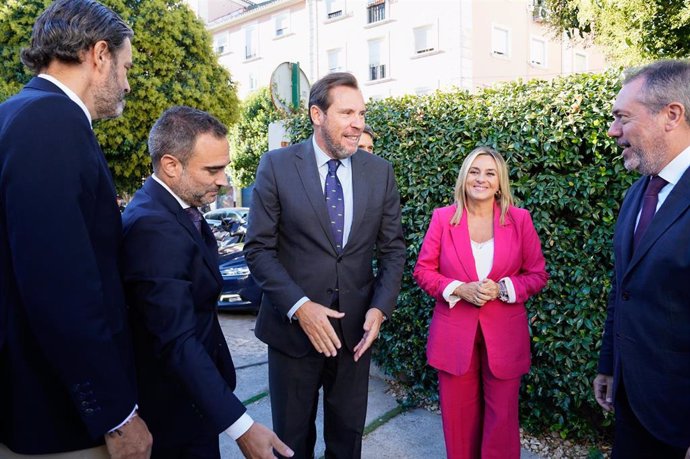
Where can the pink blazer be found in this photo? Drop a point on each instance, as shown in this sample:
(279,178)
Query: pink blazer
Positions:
(445,256)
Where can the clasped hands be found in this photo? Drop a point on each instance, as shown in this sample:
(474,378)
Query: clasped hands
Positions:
(314,320)
(477,293)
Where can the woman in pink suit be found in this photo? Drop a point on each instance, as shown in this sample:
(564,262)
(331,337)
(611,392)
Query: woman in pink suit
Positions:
(481,259)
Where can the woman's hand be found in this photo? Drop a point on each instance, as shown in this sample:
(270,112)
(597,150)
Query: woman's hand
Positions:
(477,293)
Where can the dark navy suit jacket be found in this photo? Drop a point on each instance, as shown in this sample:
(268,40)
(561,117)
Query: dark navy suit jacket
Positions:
(66,370)
(172,282)
(291,251)
(647,333)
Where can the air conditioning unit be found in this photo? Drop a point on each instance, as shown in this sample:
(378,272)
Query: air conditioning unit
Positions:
(539,13)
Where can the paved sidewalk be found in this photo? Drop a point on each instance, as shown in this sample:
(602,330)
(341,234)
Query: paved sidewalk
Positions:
(391,431)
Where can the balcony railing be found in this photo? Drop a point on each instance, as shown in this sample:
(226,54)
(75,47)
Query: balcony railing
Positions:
(377,72)
(376,13)
(335,14)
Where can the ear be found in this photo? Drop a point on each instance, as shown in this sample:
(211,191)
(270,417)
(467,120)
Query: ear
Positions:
(101,55)
(170,166)
(675,115)
(315,114)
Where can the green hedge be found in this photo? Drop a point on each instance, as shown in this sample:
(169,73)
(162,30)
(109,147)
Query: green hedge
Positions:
(564,169)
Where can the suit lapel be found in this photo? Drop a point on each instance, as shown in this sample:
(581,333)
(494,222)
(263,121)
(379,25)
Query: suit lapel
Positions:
(360,192)
(209,251)
(460,235)
(629,219)
(673,207)
(309,176)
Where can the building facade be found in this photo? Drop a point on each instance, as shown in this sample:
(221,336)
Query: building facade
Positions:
(393,47)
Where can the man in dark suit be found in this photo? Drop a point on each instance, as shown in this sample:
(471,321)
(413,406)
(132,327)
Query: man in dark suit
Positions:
(644,364)
(311,253)
(67,380)
(172,282)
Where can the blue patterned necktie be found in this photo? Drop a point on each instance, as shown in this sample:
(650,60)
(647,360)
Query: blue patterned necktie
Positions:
(649,202)
(195,216)
(334,202)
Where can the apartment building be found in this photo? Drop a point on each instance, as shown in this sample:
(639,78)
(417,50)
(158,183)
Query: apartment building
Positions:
(394,47)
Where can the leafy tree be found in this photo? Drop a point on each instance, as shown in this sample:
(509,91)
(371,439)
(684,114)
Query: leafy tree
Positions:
(174,64)
(631,31)
(249,137)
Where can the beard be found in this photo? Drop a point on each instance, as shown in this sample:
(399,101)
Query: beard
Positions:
(193,194)
(334,149)
(647,161)
(109,100)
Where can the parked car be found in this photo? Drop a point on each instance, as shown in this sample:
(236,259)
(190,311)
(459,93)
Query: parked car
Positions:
(240,292)
(215,217)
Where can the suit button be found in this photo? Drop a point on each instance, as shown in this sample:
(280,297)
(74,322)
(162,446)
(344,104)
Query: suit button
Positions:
(625,296)
(339,259)
(329,291)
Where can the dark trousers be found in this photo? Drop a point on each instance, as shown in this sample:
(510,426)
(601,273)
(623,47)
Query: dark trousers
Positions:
(632,440)
(294,385)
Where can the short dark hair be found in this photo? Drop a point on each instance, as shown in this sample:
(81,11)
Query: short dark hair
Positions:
(664,82)
(319,94)
(68,27)
(176,131)
(368,130)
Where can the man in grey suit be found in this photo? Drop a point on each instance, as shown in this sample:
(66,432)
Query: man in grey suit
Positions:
(320,211)
(644,364)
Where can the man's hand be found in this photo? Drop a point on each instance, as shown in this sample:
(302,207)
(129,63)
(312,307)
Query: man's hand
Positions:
(372,325)
(313,318)
(131,441)
(259,442)
(603,388)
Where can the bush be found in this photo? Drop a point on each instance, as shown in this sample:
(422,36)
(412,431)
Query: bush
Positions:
(249,137)
(562,168)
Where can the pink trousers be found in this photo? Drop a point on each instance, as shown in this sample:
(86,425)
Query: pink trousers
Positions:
(480,411)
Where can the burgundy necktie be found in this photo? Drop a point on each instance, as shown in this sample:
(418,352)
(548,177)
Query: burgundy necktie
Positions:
(649,201)
(195,216)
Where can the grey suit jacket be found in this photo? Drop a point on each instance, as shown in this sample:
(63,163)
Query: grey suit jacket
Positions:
(291,252)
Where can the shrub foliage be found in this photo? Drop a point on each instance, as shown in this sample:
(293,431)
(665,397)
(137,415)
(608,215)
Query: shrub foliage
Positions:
(249,137)
(564,170)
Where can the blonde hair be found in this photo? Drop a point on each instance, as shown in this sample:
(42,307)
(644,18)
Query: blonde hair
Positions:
(504,195)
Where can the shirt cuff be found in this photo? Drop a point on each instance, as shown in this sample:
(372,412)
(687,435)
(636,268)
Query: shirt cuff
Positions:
(510,288)
(127,419)
(448,293)
(240,427)
(297,305)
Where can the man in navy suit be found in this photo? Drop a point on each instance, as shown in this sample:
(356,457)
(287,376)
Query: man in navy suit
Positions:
(644,364)
(172,282)
(67,380)
(320,211)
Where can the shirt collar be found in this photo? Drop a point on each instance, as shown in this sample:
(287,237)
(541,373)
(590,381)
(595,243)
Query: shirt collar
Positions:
(322,158)
(177,198)
(677,167)
(69,93)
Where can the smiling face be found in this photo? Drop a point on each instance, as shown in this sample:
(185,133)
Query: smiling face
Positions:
(338,129)
(482,179)
(109,94)
(201,178)
(639,131)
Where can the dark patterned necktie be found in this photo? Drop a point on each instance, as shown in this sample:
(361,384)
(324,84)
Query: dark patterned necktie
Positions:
(334,201)
(649,202)
(195,216)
